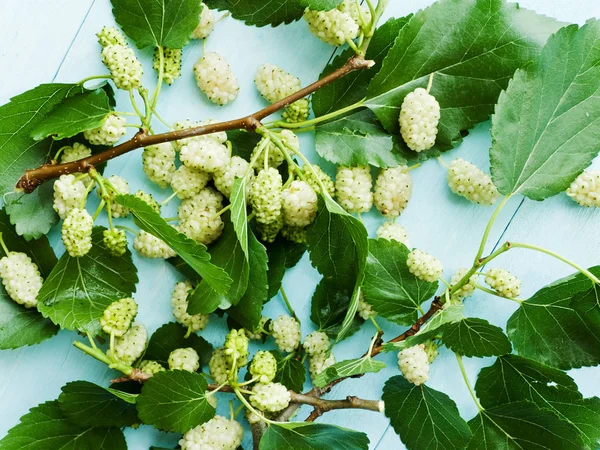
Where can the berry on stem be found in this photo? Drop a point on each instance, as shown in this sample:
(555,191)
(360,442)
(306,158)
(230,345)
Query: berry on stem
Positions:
(353,188)
(286,332)
(424,266)
(263,366)
(237,168)
(465,290)
(585,190)
(125,68)
(187,182)
(206,24)
(468,181)
(109,133)
(149,246)
(393,189)
(236,348)
(270,397)
(116,186)
(158,162)
(151,367)
(171,63)
(21,278)
(393,232)
(503,282)
(274,83)
(413,362)
(316,342)
(218,433)
(419,118)
(184,359)
(179,303)
(219,366)
(128,348)
(118,316)
(299,204)
(215,78)
(334,27)
(69,193)
(77,232)
(74,153)
(265,196)
(110,36)
(115,241)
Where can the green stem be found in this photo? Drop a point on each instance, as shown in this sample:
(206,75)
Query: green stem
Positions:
(164,122)
(353,46)
(161,55)
(488,228)
(168,199)
(98,210)
(317,120)
(481,262)
(492,292)
(135,106)
(376,14)
(464,375)
(242,399)
(4,247)
(288,304)
(123,227)
(375,324)
(314,173)
(93,77)
(100,356)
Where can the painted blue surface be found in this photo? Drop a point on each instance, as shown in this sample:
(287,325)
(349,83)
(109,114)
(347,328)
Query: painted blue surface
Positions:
(54,40)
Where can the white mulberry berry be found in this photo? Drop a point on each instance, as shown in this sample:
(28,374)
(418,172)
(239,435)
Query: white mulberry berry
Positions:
(21,278)
(118,316)
(69,193)
(74,153)
(286,332)
(110,36)
(274,83)
(218,433)
(413,362)
(204,227)
(215,78)
(468,181)
(353,188)
(298,235)
(237,168)
(206,24)
(184,359)
(131,345)
(150,246)
(207,200)
(205,154)
(187,182)
(319,362)
(393,189)
(109,132)
(424,266)
(393,232)
(503,282)
(297,111)
(270,397)
(465,290)
(151,367)
(179,303)
(77,232)
(219,366)
(333,27)
(419,118)
(350,7)
(263,366)
(365,310)
(299,204)
(236,348)
(585,190)
(325,179)
(125,68)
(267,232)
(158,162)
(265,196)
(316,342)
(148,199)
(171,63)
(115,241)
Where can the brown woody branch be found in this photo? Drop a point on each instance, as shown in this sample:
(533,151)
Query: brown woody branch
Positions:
(36,177)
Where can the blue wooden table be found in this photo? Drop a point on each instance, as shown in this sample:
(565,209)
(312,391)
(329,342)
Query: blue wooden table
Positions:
(54,40)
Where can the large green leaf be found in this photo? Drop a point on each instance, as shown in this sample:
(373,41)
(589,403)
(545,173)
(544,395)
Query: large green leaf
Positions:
(78,290)
(330,305)
(471,67)
(283,254)
(45,427)
(548,328)
(191,252)
(312,436)
(167,23)
(547,124)
(476,337)
(290,372)
(261,13)
(171,336)
(348,368)
(423,417)
(32,214)
(175,400)
(389,287)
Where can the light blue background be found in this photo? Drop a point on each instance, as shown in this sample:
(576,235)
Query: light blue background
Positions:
(53,40)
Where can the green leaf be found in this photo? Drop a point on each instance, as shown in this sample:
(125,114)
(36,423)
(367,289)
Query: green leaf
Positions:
(521,425)
(32,214)
(476,337)
(290,372)
(175,400)
(167,23)
(248,310)
(89,405)
(243,143)
(549,329)
(78,290)
(348,368)
(45,427)
(353,87)
(423,417)
(226,254)
(312,436)
(355,140)
(283,255)
(190,251)
(265,12)
(171,336)
(17,119)
(73,115)
(239,216)
(546,126)
(329,306)
(389,287)
(471,68)
(320,5)
(125,396)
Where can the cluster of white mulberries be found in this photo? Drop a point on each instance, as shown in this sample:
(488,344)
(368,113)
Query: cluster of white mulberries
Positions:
(125,69)
(116,186)
(158,162)
(321,176)
(419,118)
(151,367)
(109,132)
(149,246)
(69,193)
(184,359)
(77,232)
(270,397)
(199,218)
(237,168)
(118,316)
(274,83)
(265,196)
(468,181)
(110,36)
(115,241)
(129,347)
(585,190)
(219,366)
(353,188)
(215,78)
(21,278)
(316,342)
(465,290)
(218,433)
(179,303)
(424,266)
(286,332)
(74,153)
(187,182)
(299,204)
(236,348)
(206,153)
(263,366)
(171,63)
(503,282)
(393,232)
(334,27)
(413,362)
(206,25)
(393,189)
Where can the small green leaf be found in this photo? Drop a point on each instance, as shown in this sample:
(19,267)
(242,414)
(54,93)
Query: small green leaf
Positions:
(476,337)
(167,23)
(78,290)
(89,405)
(73,115)
(175,400)
(125,396)
(348,368)
(423,417)
(239,216)
(546,132)
(290,372)
(171,336)
(266,12)
(320,5)
(243,143)
(312,436)
(283,255)
(329,306)
(32,214)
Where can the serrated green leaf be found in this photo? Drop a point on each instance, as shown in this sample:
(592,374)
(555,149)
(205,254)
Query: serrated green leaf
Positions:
(348,368)
(125,396)
(265,12)
(45,427)
(193,253)
(549,329)
(471,69)
(283,254)
(73,115)
(476,337)
(167,23)
(78,290)
(546,127)
(32,214)
(329,306)
(175,400)
(171,336)
(423,417)
(389,287)
(89,405)
(320,5)
(290,372)
(239,216)
(357,140)
(312,436)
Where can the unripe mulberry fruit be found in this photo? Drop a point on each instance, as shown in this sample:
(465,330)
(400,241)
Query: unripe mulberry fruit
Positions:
(187,182)
(158,162)
(350,7)
(74,153)
(171,63)
(413,362)
(151,367)
(110,36)
(108,133)
(69,193)
(184,359)
(118,316)
(237,168)
(424,266)
(263,366)
(297,111)
(265,196)
(117,186)
(219,366)
(286,332)
(270,397)
(319,362)
(353,188)
(585,190)
(148,200)
(204,227)
(125,68)
(274,83)
(131,345)
(179,303)
(218,433)
(205,154)
(325,179)
(299,204)
(207,200)
(393,232)
(236,348)
(267,232)
(468,181)
(465,290)
(149,246)
(393,189)
(316,342)
(419,119)
(206,24)
(503,282)
(215,78)
(115,241)
(21,278)
(365,310)
(77,232)
(333,27)
(298,235)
